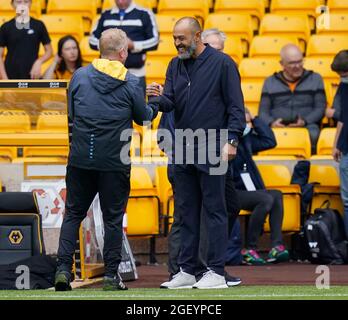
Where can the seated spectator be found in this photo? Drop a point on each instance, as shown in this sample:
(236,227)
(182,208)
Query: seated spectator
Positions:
(22,37)
(294,97)
(258,137)
(67,60)
(340,148)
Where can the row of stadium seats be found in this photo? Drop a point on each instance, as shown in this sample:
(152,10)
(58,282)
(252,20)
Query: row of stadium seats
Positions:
(152,204)
(256,8)
(293,142)
(18,121)
(294,29)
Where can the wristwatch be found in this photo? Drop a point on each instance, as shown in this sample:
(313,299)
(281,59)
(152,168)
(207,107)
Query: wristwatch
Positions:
(233,143)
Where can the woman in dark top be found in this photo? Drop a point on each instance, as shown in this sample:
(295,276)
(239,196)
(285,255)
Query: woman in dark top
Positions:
(257,137)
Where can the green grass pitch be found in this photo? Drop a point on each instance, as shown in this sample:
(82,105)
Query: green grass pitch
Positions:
(236,293)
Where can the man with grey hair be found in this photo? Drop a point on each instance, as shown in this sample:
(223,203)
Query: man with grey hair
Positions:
(294,97)
(215,38)
(104,98)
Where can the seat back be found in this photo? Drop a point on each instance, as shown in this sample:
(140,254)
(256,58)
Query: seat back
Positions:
(14,121)
(257,69)
(279,177)
(291,142)
(143,204)
(60,25)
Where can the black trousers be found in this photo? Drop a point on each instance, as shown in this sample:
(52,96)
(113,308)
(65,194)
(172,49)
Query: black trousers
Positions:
(198,194)
(262,202)
(82,186)
(233,207)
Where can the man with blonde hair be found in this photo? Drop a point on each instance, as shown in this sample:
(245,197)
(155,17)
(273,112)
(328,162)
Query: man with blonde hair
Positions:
(104,99)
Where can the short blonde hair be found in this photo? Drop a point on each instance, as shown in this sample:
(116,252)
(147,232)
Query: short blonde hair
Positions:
(112,41)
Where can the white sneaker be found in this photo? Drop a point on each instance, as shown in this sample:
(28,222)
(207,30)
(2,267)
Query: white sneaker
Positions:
(181,280)
(211,280)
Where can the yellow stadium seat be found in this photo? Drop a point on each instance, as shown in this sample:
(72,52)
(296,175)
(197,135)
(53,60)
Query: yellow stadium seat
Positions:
(327,187)
(166,49)
(155,70)
(326,45)
(52,121)
(252,95)
(54,44)
(338,6)
(234,48)
(62,25)
(254,8)
(256,69)
(135,147)
(279,177)
(33,152)
(166,24)
(181,8)
(150,147)
(88,55)
(165,193)
(87,9)
(234,25)
(322,65)
(338,25)
(291,25)
(269,46)
(7,9)
(163,186)
(108,4)
(330,93)
(143,205)
(14,121)
(291,142)
(156,121)
(296,7)
(4,18)
(7,154)
(325,143)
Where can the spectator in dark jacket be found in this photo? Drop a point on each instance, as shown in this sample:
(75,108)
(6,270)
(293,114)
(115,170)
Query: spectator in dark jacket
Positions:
(140,26)
(294,97)
(254,197)
(104,99)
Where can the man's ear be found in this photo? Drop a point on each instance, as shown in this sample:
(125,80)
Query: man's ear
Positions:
(198,36)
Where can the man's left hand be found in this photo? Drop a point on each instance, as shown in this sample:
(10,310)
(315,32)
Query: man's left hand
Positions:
(35,72)
(229,152)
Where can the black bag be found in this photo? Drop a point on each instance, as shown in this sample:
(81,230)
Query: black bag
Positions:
(325,237)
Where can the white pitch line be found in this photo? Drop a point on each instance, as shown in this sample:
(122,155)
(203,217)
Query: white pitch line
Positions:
(176,296)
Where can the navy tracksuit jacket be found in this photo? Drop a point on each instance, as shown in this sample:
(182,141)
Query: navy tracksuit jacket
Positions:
(210,98)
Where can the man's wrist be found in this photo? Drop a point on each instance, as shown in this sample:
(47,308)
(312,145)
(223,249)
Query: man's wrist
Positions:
(233,142)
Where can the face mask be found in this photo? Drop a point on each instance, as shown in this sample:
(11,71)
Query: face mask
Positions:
(246,130)
(344,80)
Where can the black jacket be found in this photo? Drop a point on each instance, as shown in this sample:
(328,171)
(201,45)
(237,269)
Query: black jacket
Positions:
(210,98)
(260,138)
(101,107)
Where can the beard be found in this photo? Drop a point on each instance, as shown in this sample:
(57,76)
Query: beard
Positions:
(189,51)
